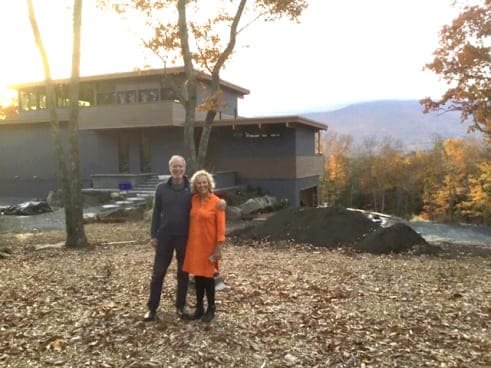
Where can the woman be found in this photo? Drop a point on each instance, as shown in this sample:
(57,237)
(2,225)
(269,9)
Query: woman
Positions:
(205,239)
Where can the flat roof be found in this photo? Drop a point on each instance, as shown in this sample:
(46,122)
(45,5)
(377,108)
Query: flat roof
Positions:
(267,120)
(240,121)
(133,74)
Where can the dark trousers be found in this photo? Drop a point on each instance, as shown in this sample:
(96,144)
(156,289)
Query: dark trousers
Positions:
(205,284)
(163,257)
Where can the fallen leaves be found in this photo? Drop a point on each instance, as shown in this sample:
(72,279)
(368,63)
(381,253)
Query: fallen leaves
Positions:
(287,306)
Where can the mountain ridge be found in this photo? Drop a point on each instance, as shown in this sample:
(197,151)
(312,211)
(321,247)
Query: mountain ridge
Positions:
(402,120)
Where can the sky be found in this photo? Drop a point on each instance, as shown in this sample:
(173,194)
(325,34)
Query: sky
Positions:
(341,52)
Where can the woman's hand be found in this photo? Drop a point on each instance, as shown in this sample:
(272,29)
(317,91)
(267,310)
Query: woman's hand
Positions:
(217,254)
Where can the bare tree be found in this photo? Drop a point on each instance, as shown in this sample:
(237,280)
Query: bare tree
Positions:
(68,162)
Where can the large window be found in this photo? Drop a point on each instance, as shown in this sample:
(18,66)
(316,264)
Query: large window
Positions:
(106,98)
(168,94)
(126,97)
(28,100)
(149,95)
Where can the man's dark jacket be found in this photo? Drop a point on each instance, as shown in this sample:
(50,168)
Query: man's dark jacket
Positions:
(171,209)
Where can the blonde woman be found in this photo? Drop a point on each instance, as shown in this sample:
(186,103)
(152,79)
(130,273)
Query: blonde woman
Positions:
(205,239)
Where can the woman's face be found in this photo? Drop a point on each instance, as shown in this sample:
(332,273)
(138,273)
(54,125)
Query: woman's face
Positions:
(202,185)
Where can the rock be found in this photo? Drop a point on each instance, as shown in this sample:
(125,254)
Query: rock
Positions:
(28,208)
(95,198)
(259,204)
(233,213)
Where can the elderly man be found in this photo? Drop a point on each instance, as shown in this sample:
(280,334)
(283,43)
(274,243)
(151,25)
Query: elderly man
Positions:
(169,232)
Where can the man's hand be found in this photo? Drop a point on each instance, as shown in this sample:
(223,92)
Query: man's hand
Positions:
(221,205)
(153,243)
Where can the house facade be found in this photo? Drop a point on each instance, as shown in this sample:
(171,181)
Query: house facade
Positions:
(131,123)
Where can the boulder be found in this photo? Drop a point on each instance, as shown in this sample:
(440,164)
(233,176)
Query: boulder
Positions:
(233,213)
(28,208)
(259,204)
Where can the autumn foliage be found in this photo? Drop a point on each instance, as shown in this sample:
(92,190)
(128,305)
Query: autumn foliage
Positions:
(449,182)
(8,112)
(463,60)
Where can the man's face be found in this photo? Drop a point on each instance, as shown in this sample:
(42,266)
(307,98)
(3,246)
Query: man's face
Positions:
(177,168)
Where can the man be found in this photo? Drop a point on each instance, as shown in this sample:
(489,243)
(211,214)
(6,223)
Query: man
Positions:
(169,232)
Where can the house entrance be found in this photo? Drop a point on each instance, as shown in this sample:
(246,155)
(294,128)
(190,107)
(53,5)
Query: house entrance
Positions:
(308,197)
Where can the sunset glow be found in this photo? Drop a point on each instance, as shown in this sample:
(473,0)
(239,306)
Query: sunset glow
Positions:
(341,52)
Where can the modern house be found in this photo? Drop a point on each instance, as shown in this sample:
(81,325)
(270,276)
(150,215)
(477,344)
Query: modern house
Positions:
(131,123)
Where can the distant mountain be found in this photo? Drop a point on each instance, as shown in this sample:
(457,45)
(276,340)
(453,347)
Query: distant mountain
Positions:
(401,120)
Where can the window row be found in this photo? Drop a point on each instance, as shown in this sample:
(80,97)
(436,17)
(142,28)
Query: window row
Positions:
(34,100)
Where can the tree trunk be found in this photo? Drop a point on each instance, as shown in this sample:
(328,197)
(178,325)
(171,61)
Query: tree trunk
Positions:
(215,85)
(189,97)
(67,163)
(75,228)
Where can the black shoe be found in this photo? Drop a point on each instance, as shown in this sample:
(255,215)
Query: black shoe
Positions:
(150,316)
(209,315)
(183,313)
(199,312)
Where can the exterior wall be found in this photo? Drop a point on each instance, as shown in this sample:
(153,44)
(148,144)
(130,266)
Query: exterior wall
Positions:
(304,141)
(115,116)
(164,142)
(281,165)
(272,161)
(288,189)
(27,166)
(230,150)
(98,153)
(229,100)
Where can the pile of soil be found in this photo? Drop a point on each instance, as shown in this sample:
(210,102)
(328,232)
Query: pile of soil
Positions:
(395,239)
(334,227)
(328,227)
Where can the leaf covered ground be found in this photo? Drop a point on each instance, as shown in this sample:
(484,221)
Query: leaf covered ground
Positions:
(288,306)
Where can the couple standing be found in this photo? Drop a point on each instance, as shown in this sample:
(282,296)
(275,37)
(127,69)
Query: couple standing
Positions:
(190,220)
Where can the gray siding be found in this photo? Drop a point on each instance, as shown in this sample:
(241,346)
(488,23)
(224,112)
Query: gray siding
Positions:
(164,143)
(227,142)
(284,189)
(27,166)
(98,152)
(304,141)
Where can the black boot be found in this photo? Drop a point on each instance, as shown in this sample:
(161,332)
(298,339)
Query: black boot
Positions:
(209,315)
(183,313)
(198,313)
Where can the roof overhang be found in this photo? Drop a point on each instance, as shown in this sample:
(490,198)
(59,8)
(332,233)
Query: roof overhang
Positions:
(288,120)
(134,74)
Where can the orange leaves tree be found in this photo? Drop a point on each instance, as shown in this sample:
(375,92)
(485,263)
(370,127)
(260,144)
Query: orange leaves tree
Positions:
(463,60)
(7,112)
(202,35)
(458,182)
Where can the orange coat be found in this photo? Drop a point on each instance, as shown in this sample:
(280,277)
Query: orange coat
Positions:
(206,228)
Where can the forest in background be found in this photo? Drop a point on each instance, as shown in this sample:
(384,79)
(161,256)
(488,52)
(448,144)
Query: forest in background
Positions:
(449,182)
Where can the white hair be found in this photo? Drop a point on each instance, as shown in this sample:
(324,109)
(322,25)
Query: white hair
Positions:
(176,157)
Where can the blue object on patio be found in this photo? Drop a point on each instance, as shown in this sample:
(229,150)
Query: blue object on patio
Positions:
(125,186)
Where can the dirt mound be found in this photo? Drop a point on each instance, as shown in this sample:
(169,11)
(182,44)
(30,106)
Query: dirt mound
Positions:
(394,239)
(330,227)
